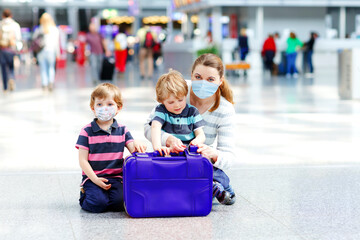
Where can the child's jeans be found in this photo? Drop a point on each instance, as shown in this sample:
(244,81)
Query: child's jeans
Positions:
(221,177)
(97,200)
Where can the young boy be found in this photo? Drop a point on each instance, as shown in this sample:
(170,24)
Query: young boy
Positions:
(173,115)
(101,148)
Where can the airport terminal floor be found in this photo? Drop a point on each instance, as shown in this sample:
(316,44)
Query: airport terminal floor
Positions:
(297,174)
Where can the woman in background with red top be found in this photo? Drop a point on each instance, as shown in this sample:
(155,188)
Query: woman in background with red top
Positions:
(268,52)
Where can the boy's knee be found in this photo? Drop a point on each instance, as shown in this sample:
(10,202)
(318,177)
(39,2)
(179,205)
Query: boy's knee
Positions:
(116,201)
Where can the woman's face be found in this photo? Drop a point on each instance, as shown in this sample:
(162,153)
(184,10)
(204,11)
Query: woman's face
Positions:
(209,74)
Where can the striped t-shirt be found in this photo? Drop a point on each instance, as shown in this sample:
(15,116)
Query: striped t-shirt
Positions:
(180,125)
(105,149)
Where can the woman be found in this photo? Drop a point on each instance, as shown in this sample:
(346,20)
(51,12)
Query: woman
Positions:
(210,93)
(47,56)
(243,44)
(309,49)
(97,46)
(120,44)
(268,53)
(293,45)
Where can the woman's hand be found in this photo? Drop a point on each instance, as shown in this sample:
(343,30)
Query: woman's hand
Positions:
(139,146)
(175,144)
(101,182)
(208,152)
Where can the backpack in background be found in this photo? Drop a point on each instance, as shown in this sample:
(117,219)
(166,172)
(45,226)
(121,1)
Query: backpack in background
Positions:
(149,40)
(7,34)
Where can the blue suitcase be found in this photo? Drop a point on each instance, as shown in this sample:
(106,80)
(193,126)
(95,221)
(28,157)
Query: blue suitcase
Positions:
(156,186)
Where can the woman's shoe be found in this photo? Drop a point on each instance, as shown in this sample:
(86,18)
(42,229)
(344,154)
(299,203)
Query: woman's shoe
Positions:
(12,85)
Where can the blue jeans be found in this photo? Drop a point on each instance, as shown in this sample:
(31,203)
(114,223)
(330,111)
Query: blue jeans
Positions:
(47,61)
(309,60)
(96,65)
(221,177)
(243,53)
(291,60)
(7,66)
(97,200)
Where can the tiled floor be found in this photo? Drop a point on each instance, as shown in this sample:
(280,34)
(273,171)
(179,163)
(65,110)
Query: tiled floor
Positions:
(297,174)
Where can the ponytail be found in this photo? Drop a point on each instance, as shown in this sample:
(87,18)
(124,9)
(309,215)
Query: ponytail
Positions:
(225,91)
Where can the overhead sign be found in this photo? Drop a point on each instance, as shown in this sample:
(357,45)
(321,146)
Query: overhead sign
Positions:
(109,13)
(181,3)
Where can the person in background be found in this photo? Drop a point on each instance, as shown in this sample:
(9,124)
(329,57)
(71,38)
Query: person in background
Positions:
(211,94)
(51,50)
(268,53)
(209,38)
(10,34)
(97,46)
(120,45)
(147,40)
(293,45)
(243,44)
(156,53)
(308,52)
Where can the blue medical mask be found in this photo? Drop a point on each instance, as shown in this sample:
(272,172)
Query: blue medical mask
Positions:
(105,113)
(204,89)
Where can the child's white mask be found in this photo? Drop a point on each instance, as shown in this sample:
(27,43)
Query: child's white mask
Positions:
(105,113)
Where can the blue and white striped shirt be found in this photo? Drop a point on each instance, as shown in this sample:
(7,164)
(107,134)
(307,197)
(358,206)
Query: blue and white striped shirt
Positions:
(180,125)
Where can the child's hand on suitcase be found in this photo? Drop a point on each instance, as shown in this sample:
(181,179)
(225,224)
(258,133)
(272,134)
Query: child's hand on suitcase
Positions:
(195,142)
(101,182)
(166,150)
(139,146)
(175,144)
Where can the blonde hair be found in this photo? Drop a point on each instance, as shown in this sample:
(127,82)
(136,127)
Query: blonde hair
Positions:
(213,61)
(243,31)
(105,90)
(171,83)
(46,21)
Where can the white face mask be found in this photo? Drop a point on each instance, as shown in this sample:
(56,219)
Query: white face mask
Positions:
(204,89)
(105,113)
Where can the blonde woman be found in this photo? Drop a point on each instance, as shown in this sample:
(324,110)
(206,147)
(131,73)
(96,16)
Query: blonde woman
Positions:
(47,56)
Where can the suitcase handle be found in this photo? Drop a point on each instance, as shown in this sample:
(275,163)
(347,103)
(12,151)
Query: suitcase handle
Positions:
(190,150)
(146,163)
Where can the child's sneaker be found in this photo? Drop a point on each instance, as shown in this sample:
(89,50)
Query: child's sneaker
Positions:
(229,198)
(219,192)
(218,189)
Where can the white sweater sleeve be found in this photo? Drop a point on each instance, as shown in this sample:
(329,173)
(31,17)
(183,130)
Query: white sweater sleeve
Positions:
(225,141)
(147,129)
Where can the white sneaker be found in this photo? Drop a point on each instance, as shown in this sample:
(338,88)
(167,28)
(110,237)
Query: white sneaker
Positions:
(296,75)
(288,75)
